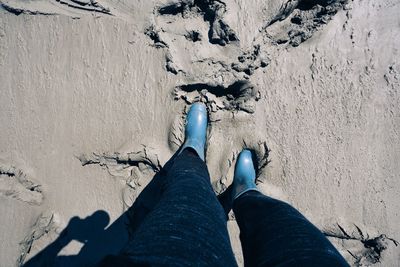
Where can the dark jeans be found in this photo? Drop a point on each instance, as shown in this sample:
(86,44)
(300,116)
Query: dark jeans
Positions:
(178,221)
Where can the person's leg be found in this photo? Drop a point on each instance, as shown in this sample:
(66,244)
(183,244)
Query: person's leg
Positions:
(177,219)
(272,232)
(187,226)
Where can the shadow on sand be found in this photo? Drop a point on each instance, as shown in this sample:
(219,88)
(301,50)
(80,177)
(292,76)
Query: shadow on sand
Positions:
(100,240)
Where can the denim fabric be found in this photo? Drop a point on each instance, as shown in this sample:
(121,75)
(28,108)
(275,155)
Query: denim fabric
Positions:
(187,227)
(273,233)
(178,221)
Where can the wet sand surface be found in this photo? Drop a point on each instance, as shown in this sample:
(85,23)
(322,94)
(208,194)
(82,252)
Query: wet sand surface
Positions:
(93,96)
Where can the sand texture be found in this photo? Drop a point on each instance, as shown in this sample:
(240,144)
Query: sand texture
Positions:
(93,96)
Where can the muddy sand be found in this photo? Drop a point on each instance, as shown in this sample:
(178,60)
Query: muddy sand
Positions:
(93,96)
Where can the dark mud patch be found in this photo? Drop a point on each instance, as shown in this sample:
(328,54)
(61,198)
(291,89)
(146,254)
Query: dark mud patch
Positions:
(239,96)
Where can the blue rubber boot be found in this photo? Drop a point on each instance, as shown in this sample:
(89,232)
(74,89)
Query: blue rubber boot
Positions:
(245,175)
(196,129)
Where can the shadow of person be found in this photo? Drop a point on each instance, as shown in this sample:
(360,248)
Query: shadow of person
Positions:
(98,239)
(91,231)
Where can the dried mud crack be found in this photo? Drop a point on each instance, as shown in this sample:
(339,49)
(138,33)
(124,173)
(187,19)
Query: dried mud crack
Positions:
(249,61)
(239,96)
(36,8)
(44,225)
(212,11)
(15,183)
(369,250)
(86,5)
(120,164)
(18,11)
(154,35)
(297,21)
(135,169)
